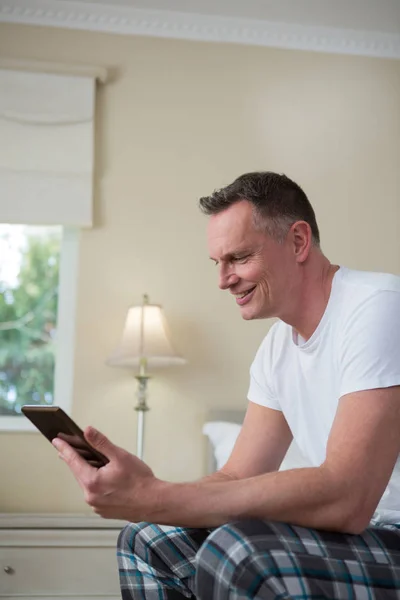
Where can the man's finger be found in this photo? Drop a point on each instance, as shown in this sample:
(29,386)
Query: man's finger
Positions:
(79,467)
(73,440)
(100,442)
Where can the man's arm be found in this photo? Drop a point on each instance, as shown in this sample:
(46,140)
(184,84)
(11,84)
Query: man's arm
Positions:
(340,495)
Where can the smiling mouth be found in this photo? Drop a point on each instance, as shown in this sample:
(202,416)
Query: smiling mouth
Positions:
(244,294)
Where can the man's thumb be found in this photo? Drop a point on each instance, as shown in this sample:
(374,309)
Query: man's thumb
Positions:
(99,441)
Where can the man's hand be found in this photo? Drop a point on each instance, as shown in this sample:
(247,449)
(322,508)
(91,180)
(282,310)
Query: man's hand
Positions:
(125,488)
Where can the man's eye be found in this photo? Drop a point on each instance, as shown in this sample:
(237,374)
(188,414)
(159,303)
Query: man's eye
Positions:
(241,259)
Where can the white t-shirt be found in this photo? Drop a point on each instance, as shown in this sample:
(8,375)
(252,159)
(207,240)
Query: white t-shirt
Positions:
(355,347)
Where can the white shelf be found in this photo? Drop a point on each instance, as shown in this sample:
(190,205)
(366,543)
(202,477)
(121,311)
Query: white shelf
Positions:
(58,556)
(57,521)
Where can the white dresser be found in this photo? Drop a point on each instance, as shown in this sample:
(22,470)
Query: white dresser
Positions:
(62,557)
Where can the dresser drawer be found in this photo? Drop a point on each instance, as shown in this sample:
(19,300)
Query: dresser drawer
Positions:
(58,571)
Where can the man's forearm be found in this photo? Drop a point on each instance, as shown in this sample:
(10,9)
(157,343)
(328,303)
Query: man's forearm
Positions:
(218,476)
(307,497)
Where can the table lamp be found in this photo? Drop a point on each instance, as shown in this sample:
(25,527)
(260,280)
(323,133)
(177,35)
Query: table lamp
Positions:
(144,344)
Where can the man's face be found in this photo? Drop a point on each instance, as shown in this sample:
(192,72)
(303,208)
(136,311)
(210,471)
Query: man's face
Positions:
(254,267)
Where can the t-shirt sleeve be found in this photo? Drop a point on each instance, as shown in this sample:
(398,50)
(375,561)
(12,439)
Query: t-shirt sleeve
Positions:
(369,352)
(260,388)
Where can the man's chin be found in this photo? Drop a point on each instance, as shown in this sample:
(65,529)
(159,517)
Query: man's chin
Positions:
(248,315)
(251,314)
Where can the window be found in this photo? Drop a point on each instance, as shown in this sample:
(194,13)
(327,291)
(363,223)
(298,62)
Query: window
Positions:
(37,305)
(46,179)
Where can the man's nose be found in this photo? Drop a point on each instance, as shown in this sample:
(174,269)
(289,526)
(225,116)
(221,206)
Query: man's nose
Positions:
(227,278)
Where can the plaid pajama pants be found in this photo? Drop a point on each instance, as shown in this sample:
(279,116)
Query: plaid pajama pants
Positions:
(258,560)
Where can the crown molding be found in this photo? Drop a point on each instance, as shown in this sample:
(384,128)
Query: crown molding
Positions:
(170,24)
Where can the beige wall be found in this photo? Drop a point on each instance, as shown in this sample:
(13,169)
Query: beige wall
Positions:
(176,120)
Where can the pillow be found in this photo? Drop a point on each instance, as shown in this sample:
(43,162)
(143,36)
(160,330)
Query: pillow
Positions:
(223,435)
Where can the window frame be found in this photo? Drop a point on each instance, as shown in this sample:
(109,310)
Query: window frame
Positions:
(66,327)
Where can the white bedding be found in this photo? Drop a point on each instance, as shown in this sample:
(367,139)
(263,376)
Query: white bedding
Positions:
(222,436)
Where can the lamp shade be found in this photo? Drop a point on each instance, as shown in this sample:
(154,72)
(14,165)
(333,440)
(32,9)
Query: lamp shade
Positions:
(145,336)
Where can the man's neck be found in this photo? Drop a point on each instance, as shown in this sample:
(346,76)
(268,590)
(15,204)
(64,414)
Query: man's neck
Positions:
(312,299)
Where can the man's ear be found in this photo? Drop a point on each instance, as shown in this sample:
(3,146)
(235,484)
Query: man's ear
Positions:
(301,240)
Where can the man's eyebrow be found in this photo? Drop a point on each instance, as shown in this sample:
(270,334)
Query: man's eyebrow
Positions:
(230,255)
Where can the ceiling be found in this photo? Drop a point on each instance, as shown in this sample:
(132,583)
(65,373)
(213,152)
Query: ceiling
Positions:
(363,15)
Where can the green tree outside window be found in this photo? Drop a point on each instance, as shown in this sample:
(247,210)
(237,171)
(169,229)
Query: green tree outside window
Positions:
(28,315)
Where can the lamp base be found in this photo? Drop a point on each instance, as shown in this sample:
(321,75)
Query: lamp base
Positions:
(141,408)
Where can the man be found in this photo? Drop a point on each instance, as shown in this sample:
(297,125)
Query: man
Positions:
(327,374)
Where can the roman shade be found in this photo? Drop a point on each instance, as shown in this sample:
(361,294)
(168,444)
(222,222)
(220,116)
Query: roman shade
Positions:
(46,147)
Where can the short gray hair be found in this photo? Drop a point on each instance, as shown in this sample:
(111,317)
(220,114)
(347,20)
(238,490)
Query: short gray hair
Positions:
(278,202)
